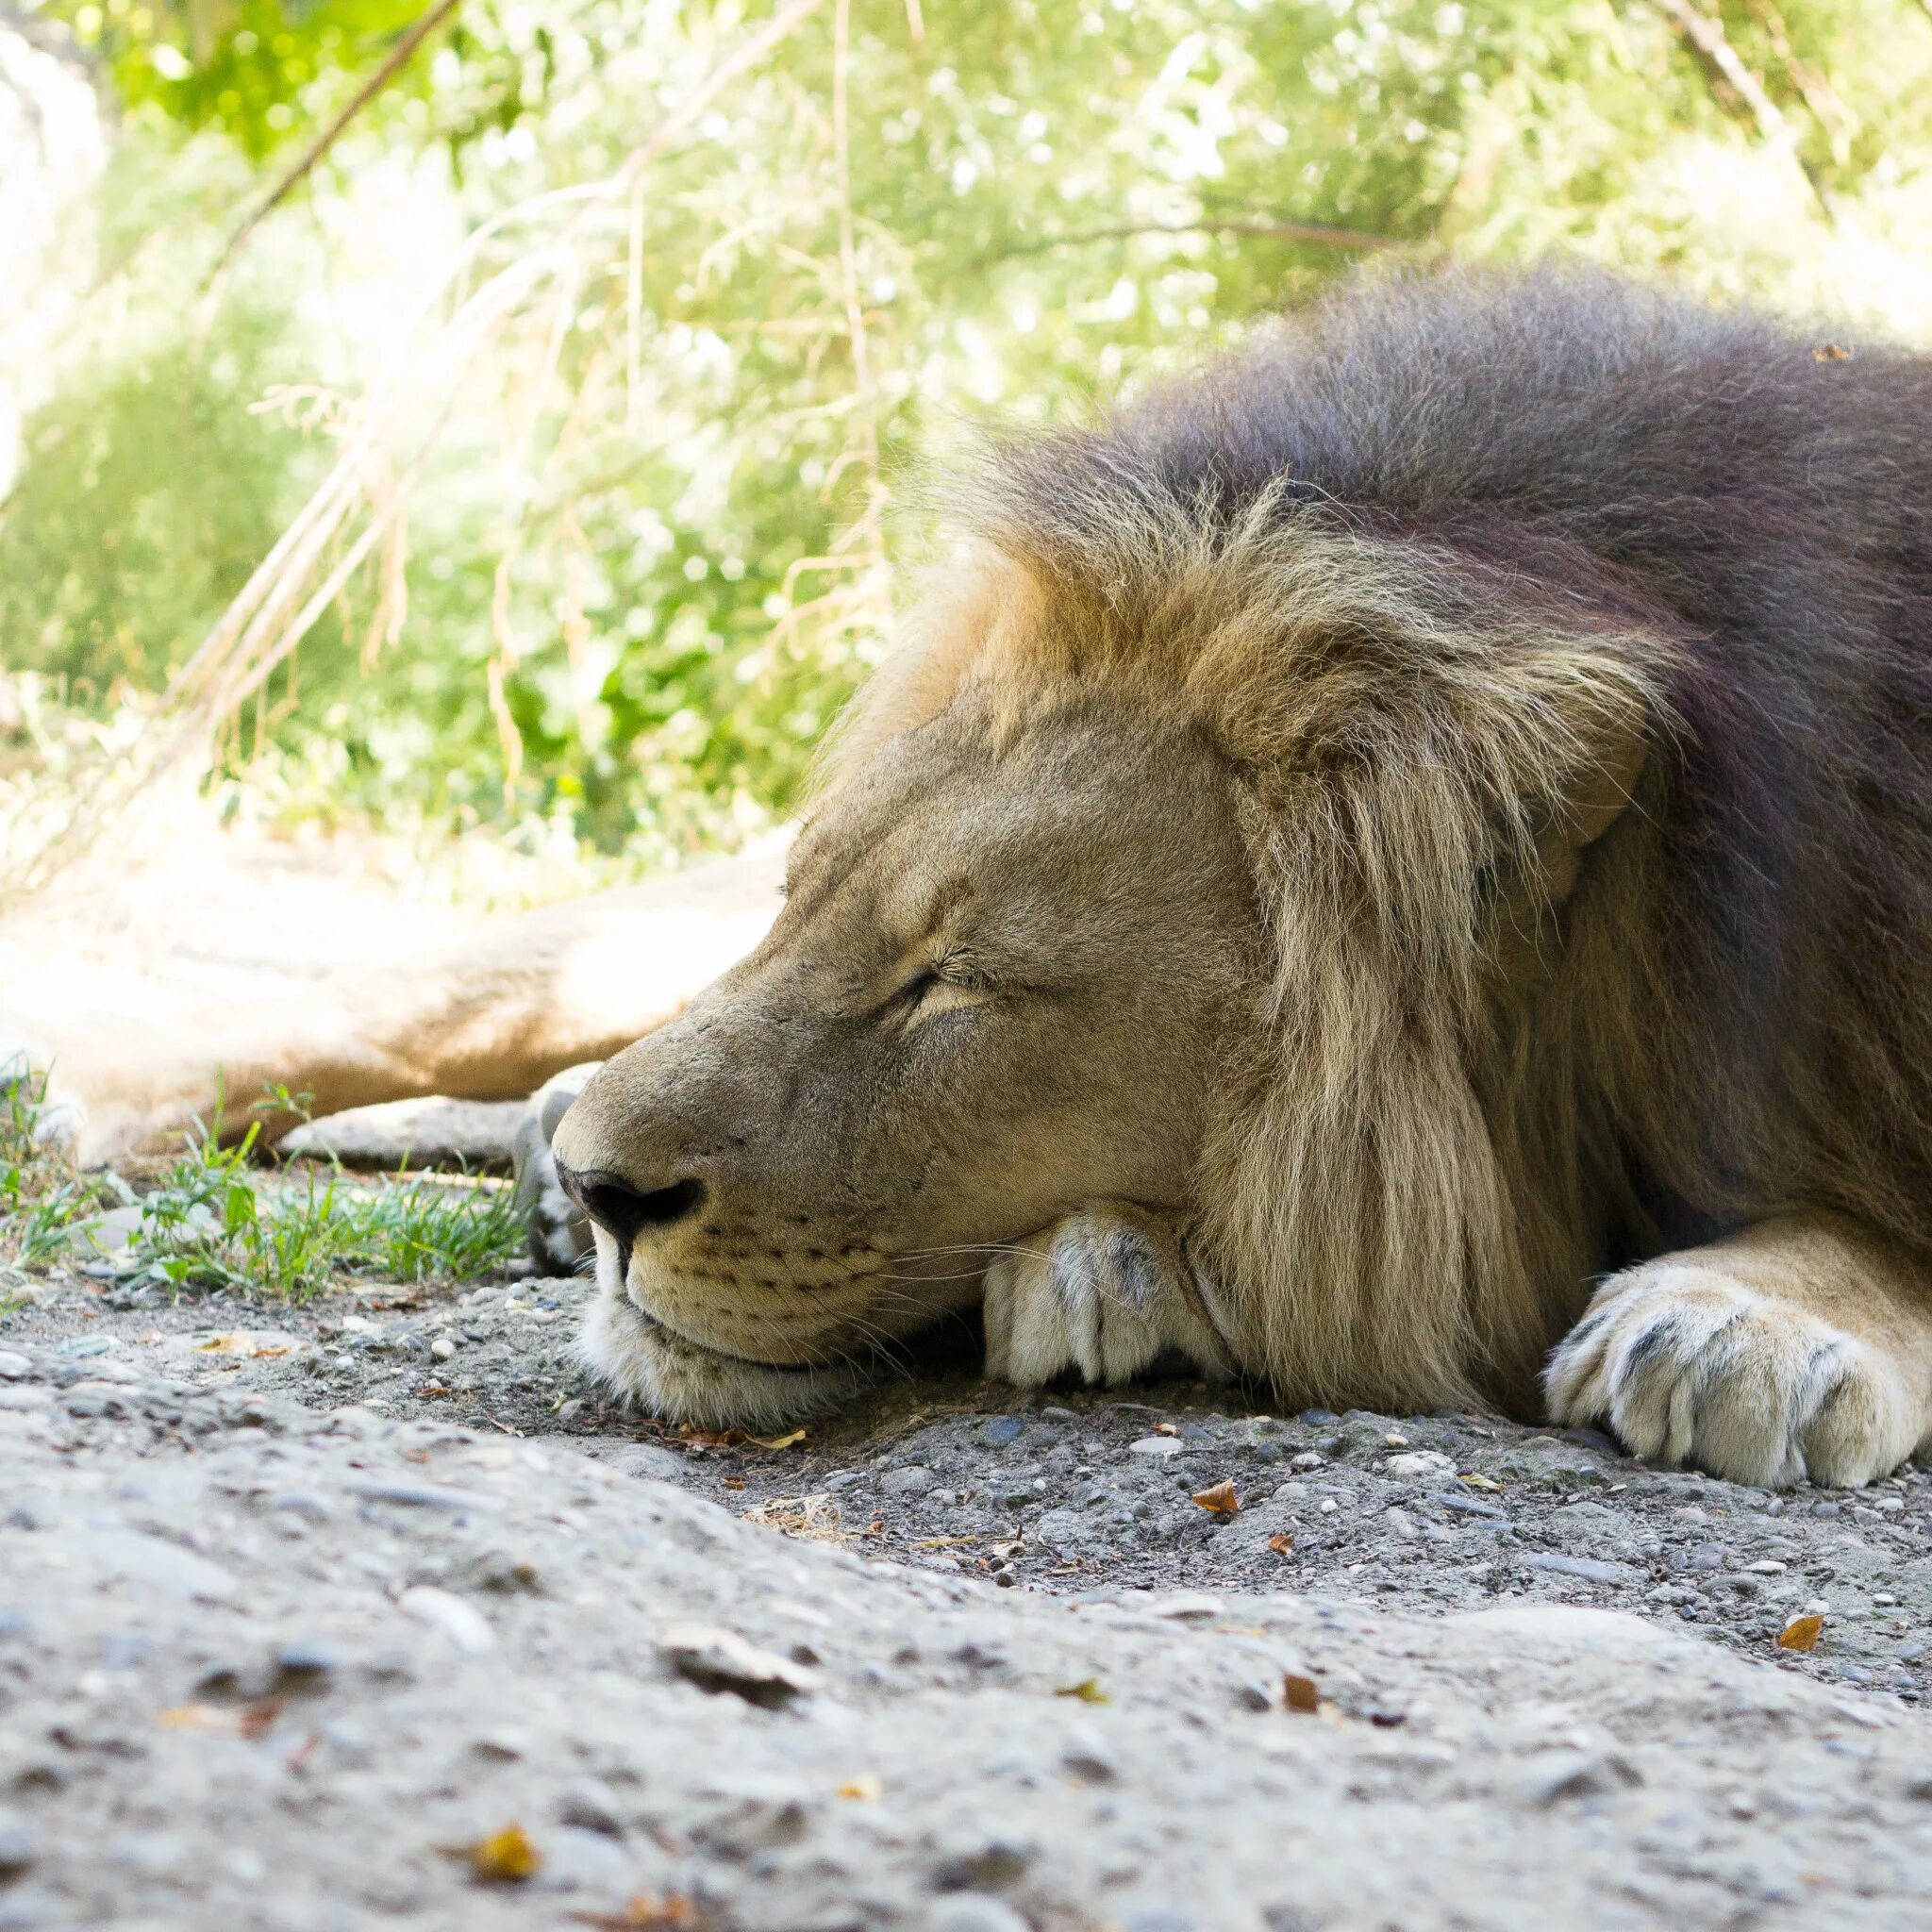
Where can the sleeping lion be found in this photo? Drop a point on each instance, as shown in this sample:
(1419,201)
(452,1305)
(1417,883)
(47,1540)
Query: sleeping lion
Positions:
(1400,869)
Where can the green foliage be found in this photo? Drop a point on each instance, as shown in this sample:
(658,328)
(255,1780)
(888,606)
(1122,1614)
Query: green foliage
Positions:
(648,557)
(210,1220)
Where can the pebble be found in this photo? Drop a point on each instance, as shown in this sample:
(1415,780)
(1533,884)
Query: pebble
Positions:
(975,1912)
(1155,1445)
(1589,1569)
(1001,1429)
(13,1365)
(442,1348)
(461,1620)
(20,1844)
(1419,1463)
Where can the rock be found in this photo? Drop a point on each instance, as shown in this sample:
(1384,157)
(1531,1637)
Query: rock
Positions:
(1417,1464)
(474,1135)
(423,1496)
(13,1365)
(461,1620)
(1001,1429)
(106,1235)
(717,1659)
(154,1564)
(1155,1445)
(20,1844)
(1588,1569)
(975,1912)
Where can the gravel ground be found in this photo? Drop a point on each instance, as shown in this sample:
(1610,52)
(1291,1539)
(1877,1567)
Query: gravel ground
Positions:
(299,1608)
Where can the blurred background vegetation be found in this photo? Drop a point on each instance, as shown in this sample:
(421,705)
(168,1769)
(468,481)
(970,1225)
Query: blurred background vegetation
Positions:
(496,420)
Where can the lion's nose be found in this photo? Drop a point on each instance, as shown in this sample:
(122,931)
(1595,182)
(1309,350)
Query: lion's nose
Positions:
(624,1210)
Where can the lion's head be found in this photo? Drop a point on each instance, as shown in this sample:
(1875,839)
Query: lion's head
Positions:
(1187,853)
(1010,952)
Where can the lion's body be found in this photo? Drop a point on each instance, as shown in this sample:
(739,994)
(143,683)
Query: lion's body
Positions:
(1430,811)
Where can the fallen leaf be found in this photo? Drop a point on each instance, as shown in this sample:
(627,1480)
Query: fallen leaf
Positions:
(733,1482)
(430,1391)
(1088,1691)
(1477,1481)
(506,1856)
(199,1717)
(244,1341)
(876,1527)
(865,1786)
(778,1442)
(1801,1633)
(1165,1429)
(1218,1501)
(646,1912)
(699,1440)
(944,1542)
(1299,1693)
(1281,1543)
(1829,352)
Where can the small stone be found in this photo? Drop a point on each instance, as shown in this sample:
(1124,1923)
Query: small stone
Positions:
(20,1844)
(461,1620)
(1155,1445)
(718,1659)
(308,1656)
(1001,1429)
(1419,1463)
(423,1496)
(442,1348)
(1318,1418)
(975,1912)
(302,1503)
(13,1365)
(1588,1569)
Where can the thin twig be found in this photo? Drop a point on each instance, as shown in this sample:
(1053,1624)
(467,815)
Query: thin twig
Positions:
(392,63)
(1317,234)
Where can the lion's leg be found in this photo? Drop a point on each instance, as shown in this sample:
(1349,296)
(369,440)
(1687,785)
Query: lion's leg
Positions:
(1800,1347)
(1107,1293)
(490,1017)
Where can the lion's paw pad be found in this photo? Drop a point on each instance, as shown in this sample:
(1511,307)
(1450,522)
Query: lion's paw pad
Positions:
(1690,1366)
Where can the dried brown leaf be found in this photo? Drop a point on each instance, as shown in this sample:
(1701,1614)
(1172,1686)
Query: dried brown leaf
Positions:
(1298,1693)
(1218,1501)
(1281,1543)
(1801,1633)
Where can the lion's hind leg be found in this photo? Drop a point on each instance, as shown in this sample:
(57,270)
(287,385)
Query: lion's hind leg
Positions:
(1801,1347)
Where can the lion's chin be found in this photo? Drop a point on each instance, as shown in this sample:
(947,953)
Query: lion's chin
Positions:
(667,1376)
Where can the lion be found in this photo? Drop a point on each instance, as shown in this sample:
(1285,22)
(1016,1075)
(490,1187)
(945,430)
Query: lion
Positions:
(1398,869)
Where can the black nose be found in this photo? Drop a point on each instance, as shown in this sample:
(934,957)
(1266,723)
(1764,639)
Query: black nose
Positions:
(624,1210)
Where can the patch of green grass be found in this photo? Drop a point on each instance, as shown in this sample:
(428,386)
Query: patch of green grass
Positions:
(211,1220)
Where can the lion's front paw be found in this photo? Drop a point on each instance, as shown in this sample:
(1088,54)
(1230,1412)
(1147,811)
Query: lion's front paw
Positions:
(1106,1291)
(1688,1365)
(556,1229)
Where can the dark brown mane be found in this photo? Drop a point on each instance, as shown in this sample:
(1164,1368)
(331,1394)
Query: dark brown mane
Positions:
(1730,1013)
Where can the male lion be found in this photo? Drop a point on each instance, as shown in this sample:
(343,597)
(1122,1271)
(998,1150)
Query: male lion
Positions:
(1428,816)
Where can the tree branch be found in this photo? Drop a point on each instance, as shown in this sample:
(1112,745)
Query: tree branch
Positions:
(392,63)
(1704,34)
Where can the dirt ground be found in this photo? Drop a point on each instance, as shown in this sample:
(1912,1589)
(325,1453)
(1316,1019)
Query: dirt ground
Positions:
(301,1608)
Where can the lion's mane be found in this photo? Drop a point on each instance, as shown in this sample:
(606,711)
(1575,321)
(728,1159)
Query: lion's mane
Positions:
(1572,646)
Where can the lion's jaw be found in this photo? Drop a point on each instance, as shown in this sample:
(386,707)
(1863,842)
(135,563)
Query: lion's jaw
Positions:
(1001,987)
